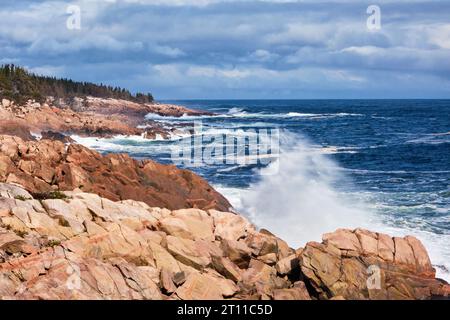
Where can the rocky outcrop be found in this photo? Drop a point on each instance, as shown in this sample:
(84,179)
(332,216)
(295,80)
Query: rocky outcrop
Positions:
(82,246)
(40,118)
(129,108)
(88,117)
(359,264)
(87,247)
(46,166)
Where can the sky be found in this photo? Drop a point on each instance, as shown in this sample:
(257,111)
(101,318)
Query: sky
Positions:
(230,49)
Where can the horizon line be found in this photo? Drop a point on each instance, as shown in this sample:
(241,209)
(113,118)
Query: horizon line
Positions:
(293,99)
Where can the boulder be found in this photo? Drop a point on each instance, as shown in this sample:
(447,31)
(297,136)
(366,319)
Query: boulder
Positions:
(262,244)
(227,286)
(14,192)
(186,251)
(198,223)
(359,264)
(287,265)
(237,251)
(227,268)
(200,287)
(297,292)
(163,259)
(230,226)
(83,246)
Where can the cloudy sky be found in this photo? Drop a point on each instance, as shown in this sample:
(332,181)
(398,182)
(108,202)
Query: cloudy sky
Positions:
(231,49)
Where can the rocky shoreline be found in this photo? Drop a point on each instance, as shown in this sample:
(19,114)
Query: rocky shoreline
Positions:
(90,116)
(75,224)
(47,165)
(82,246)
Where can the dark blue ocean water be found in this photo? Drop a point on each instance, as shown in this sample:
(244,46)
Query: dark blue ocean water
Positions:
(390,158)
(404,140)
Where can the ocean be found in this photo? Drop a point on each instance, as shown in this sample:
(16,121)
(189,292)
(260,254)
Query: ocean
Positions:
(377,164)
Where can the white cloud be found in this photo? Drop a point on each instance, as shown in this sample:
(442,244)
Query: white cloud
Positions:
(210,46)
(363,51)
(440,36)
(168,51)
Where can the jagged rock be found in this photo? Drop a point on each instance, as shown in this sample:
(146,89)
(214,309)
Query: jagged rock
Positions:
(200,287)
(84,246)
(186,251)
(189,224)
(86,116)
(230,226)
(167,282)
(262,244)
(227,286)
(287,265)
(46,165)
(270,259)
(15,128)
(237,251)
(227,268)
(198,222)
(89,229)
(361,264)
(297,292)
(6,205)
(13,192)
(163,259)
(258,274)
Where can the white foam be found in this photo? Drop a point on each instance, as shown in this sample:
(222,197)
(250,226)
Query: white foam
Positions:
(154,116)
(118,144)
(299,203)
(236,110)
(240,113)
(432,138)
(297,200)
(36,135)
(297,114)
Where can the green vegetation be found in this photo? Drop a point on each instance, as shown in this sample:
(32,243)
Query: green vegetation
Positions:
(21,198)
(21,233)
(19,85)
(50,195)
(53,243)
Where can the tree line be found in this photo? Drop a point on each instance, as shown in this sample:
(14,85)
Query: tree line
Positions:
(19,85)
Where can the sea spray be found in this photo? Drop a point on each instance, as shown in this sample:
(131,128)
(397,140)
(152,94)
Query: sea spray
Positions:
(299,202)
(397,162)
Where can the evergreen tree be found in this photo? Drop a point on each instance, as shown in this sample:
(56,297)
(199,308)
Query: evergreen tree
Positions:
(19,85)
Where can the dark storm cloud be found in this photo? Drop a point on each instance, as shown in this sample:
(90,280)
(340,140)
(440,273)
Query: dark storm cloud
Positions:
(237,49)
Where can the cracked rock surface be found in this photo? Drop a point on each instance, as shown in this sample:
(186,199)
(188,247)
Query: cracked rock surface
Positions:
(83,246)
(48,165)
